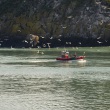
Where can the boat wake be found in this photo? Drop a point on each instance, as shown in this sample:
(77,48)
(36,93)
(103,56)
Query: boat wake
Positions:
(40,61)
(82,61)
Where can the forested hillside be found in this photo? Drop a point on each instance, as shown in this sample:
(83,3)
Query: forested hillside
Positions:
(59,22)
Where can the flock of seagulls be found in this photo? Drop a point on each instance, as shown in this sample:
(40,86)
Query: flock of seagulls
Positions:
(48,45)
(39,52)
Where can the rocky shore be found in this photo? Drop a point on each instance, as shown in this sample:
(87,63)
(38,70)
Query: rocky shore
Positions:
(55,22)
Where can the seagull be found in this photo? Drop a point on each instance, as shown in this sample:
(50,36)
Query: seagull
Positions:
(73,47)
(38,46)
(42,53)
(48,44)
(25,41)
(44,45)
(66,42)
(98,3)
(98,37)
(59,39)
(64,27)
(38,51)
(60,35)
(19,30)
(57,48)
(80,43)
(69,42)
(51,37)
(42,37)
(1,41)
(76,47)
(69,17)
(99,42)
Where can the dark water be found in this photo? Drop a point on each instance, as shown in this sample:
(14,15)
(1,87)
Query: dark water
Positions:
(31,79)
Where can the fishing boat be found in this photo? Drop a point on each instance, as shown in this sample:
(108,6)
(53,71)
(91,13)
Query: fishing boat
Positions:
(65,57)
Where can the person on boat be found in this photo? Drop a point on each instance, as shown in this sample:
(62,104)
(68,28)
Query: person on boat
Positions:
(75,55)
(65,54)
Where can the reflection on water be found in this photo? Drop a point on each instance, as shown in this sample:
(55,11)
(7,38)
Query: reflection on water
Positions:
(29,82)
(72,90)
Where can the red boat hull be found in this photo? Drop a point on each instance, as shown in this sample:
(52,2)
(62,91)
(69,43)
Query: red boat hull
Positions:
(70,58)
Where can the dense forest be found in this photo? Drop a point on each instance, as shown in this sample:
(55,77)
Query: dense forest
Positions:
(55,22)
